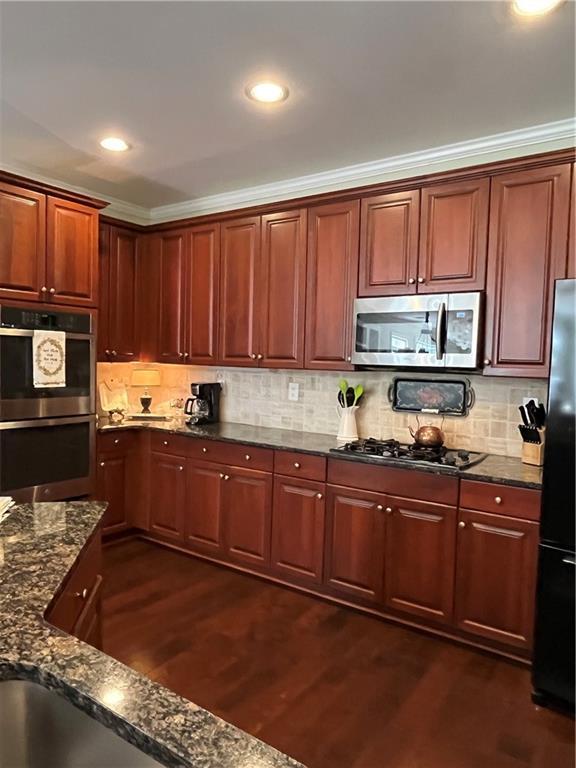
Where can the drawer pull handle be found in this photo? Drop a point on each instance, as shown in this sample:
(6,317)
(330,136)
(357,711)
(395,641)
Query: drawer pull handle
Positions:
(388,510)
(102,463)
(204,450)
(461,524)
(83,594)
(318,495)
(247,457)
(379,507)
(498,499)
(296,465)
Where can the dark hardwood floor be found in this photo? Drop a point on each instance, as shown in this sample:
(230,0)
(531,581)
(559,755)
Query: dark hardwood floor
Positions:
(331,687)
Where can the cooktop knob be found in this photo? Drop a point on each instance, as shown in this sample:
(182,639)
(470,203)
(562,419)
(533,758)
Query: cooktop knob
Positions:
(464,455)
(450,460)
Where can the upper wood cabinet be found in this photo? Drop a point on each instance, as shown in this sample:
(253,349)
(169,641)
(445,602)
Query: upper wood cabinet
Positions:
(453,237)
(239,291)
(169,251)
(571,271)
(389,244)
(332,284)
(72,253)
(283,290)
(118,327)
(202,282)
(527,252)
(22,243)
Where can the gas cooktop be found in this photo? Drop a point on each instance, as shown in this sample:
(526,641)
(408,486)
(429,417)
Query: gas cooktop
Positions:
(411,454)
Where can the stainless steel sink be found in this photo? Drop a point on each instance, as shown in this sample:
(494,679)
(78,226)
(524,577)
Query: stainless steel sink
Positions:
(40,729)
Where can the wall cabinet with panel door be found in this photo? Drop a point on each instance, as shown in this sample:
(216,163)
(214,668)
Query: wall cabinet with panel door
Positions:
(71,253)
(527,251)
(167,496)
(496,577)
(167,264)
(201,295)
(420,558)
(118,322)
(298,515)
(332,281)
(22,243)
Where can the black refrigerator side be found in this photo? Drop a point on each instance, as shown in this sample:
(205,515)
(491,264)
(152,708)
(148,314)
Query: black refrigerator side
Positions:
(553,663)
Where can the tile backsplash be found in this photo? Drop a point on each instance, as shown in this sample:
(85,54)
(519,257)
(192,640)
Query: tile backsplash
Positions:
(261,398)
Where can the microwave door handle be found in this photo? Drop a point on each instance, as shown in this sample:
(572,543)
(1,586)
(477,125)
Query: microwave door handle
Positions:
(440,328)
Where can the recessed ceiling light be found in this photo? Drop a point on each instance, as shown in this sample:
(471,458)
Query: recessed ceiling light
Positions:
(267,92)
(114,144)
(534,7)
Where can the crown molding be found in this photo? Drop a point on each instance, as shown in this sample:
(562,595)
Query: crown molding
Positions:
(500,146)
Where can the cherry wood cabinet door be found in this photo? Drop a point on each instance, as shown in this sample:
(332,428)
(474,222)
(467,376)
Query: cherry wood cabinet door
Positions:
(103,333)
(420,558)
(169,249)
(389,244)
(453,237)
(571,272)
(298,530)
(496,577)
(526,253)
(239,291)
(122,292)
(354,553)
(247,504)
(283,289)
(167,495)
(112,486)
(201,294)
(22,244)
(332,284)
(71,253)
(203,525)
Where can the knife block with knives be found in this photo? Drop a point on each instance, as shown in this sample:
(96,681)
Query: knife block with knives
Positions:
(533,433)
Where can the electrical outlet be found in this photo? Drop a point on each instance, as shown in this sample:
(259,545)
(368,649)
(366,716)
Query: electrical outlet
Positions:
(526,400)
(294,391)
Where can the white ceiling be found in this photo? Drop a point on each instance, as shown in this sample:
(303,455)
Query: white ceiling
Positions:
(367,80)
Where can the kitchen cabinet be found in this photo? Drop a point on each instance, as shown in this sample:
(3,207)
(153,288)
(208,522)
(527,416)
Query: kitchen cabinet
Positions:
(571,271)
(389,244)
(453,237)
(354,555)
(115,472)
(527,252)
(168,250)
(420,558)
(496,577)
(203,524)
(240,295)
(247,512)
(282,290)
(71,253)
(118,326)
(202,283)
(298,530)
(167,496)
(22,243)
(332,275)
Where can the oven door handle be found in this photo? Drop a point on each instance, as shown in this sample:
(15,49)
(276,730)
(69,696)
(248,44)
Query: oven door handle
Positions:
(440,331)
(52,421)
(27,333)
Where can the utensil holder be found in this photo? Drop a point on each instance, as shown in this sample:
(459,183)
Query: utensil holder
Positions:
(533,453)
(348,429)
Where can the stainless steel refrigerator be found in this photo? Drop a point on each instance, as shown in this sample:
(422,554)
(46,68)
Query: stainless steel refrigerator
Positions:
(553,664)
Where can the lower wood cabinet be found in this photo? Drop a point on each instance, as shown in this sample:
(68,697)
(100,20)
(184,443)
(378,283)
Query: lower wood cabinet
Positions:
(298,530)
(420,557)
(115,472)
(496,577)
(203,526)
(167,496)
(354,556)
(247,504)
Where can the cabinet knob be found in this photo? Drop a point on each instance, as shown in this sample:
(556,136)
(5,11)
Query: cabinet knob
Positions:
(181,468)
(349,359)
(221,475)
(186,354)
(420,279)
(247,457)
(388,510)
(253,356)
(498,499)
(114,353)
(102,463)
(107,351)
(116,441)
(83,594)
(318,495)
(259,357)
(52,291)
(379,507)
(411,280)
(226,477)
(296,465)
(43,289)
(164,442)
(487,361)
(180,354)
(461,524)
(204,450)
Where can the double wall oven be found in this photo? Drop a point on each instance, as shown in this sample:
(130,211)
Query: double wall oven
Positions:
(47,434)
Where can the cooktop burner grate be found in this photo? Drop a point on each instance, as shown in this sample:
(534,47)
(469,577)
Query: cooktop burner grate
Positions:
(414,453)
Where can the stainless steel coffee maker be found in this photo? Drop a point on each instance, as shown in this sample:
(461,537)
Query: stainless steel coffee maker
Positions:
(204,405)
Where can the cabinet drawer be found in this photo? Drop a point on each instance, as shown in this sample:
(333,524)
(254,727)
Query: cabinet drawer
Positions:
(300,465)
(164,442)
(110,442)
(79,586)
(523,503)
(411,483)
(234,454)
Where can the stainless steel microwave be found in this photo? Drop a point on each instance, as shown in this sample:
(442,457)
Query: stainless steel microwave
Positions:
(440,330)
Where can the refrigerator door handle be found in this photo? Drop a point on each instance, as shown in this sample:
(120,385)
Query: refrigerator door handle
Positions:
(569,560)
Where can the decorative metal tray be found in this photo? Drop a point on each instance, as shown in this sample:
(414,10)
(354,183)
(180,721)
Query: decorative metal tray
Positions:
(447,397)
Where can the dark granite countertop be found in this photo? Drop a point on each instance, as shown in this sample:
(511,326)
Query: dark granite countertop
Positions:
(505,470)
(38,545)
